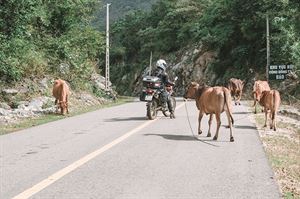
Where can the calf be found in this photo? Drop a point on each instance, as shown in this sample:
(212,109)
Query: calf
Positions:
(270,100)
(236,89)
(61,93)
(258,88)
(211,100)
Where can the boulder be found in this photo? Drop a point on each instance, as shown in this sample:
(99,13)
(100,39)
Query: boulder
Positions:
(10,91)
(4,112)
(4,106)
(36,104)
(99,81)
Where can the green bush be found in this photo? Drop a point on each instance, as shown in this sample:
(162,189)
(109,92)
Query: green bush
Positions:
(38,36)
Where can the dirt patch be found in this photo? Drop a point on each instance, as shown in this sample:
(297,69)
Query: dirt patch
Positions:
(283,149)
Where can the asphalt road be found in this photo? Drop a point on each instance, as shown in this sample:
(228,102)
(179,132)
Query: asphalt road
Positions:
(117,153)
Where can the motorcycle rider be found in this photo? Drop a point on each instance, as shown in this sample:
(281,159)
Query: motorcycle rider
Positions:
(165,96)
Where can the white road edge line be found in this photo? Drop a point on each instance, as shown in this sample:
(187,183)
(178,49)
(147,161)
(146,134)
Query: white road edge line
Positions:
(61,173)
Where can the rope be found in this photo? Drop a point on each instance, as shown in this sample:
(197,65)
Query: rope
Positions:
(190,125)
(188,119)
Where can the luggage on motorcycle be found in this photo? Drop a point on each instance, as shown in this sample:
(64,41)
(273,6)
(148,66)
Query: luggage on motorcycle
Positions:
(151,82)
(143,95)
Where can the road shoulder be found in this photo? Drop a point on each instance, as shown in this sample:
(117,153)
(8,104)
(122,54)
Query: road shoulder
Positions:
(282,148)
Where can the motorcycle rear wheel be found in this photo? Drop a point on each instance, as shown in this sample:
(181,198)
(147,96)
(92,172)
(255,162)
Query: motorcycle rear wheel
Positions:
(152,110)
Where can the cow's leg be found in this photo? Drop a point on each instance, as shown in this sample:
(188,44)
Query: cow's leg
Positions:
(218,126)
(235,99)
(62,107)
(67,105)
(266,117)
(239,98)
(274,121)
(271,120)
(255,107)
(209,125)
(199,122)
(57,105)
(230,126)
(255,102)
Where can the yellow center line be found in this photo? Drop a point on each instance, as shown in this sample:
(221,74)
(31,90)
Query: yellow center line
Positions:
(61,173)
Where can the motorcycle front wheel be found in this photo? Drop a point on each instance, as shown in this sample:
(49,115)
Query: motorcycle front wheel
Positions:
(152,110)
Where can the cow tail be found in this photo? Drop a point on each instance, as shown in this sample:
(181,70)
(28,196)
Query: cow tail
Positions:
(64,92)
(275,104)
(226,97)
(254,96)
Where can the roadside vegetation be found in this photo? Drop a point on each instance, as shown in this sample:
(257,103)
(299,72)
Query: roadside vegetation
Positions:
(42,41)
(77,109)
(282,149)
(48,38)
(235,30)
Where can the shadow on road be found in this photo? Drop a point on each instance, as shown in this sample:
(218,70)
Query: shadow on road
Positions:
(185,138)
(244,127)
(241,113)
(174,137)
(120,119)
(241,127)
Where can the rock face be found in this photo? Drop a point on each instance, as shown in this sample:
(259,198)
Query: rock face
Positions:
(192,65)
(99,81)
(25,109)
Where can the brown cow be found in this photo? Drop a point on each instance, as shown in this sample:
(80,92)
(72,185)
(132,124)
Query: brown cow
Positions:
(258,88)
(61,93)
(236,89)
(211,100)
(270,100)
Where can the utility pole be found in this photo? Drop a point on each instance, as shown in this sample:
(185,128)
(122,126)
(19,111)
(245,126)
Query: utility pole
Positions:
(107,48)
(150,66)
(268,48)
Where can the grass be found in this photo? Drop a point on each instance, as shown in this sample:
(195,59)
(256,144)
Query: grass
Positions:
(283,150)
(30,122)
(289,195)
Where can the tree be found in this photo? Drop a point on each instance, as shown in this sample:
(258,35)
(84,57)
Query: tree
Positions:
(37,35)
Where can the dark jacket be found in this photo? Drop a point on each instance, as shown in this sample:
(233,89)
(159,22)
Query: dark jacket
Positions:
(163,77)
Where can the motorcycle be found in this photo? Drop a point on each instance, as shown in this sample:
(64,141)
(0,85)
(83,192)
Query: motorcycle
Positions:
(153,96)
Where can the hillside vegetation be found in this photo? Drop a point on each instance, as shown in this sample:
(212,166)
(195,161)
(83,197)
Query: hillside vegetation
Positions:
(234,30)
(42,37)
(58,38)
(118,9)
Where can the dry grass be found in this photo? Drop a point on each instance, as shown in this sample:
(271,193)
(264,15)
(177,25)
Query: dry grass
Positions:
(283,150)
